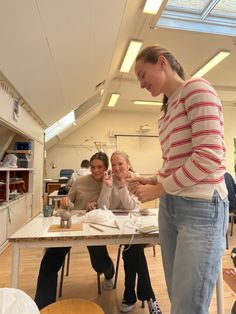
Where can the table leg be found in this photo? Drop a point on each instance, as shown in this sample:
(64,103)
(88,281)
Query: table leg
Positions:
(220,292)
(15,265)
(56,204)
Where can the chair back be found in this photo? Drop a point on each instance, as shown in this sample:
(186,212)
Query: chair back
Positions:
(72,306)
(66,173)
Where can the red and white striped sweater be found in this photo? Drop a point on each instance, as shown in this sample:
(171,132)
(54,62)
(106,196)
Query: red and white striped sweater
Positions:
(192,140)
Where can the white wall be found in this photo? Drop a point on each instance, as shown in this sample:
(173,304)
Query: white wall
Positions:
(80,144)
(25,123)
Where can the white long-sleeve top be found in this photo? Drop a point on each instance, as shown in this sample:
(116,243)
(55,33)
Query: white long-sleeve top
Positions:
(192,140)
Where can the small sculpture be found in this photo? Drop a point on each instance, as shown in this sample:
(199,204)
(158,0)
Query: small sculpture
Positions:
(10,161)
(65,218)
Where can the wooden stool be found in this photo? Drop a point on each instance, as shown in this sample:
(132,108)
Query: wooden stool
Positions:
(72,306)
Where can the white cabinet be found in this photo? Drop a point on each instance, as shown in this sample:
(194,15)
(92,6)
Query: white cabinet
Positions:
(14,215)
(3,229)
(18,213)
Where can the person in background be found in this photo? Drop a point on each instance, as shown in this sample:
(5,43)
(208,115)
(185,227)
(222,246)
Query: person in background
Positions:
(115,195)
(83,195)
(193,212)
(231,187)
(82,171)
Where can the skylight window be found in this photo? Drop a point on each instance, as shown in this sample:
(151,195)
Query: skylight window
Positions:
(207,16)
(59,126)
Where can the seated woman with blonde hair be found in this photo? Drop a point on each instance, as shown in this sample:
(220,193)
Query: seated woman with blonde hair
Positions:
(115,195)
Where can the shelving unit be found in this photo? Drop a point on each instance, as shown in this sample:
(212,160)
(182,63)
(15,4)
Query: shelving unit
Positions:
(29,152)
(21,189)
(16,200)
(14,182)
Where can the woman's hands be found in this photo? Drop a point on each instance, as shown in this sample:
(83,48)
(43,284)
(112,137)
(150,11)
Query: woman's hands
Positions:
(149,192)
(64,202)
(91,206)
(108,179)
(123,176)
(145,192)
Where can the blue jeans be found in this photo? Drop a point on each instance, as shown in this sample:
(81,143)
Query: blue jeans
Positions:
(192,238)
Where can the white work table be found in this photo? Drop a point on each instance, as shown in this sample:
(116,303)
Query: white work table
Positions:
(35,234)
(54,197)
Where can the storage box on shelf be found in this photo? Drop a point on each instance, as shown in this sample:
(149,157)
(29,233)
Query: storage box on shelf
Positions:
(23,145)
(23,157)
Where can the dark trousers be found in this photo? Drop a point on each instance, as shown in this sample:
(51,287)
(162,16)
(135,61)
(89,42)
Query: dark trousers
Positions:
(135,264)
(233,311)
(52,262)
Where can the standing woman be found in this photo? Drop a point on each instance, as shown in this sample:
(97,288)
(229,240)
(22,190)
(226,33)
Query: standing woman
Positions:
(114,195)
(82,195)
(193,214)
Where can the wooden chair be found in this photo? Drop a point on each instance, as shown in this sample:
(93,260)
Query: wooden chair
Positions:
(67,274)
(72,306)
(232,216)
(63,271)
(118,263)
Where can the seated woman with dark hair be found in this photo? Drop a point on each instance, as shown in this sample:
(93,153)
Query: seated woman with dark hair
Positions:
(82,195)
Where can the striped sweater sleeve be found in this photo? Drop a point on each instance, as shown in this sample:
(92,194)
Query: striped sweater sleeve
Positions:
(194,150)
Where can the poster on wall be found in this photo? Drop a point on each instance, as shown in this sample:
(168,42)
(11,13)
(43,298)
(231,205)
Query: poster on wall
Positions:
(15,109)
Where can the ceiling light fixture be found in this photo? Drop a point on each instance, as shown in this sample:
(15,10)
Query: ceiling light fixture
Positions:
(149,103)
(113,100)
(130,55)
(152,6)
(212,63)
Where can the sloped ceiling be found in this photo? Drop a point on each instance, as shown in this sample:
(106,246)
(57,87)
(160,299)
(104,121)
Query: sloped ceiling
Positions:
(56,52)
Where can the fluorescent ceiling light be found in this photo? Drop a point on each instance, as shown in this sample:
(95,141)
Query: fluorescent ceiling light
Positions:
(113,100)
(149,103)
(131,54)
(212,63)
(152,6)
(59,126)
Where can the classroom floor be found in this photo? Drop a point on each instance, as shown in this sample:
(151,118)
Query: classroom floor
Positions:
(82,280)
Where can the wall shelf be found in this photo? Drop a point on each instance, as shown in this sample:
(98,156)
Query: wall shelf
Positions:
(29,151)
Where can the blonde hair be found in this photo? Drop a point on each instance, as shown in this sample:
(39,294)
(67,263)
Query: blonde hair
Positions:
(151,54)
(125,156)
